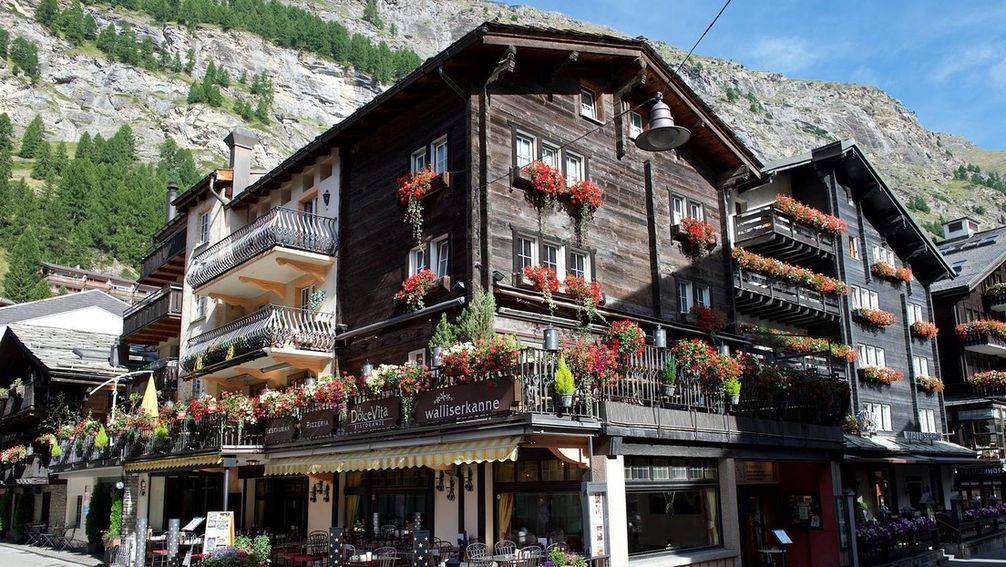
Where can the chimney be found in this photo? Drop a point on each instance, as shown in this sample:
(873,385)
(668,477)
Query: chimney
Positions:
(241,141)
(959,229)
(172,194)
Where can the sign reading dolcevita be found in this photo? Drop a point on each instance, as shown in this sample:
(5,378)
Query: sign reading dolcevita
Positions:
(319,423)
(467,401)
(374,415)
(279,430)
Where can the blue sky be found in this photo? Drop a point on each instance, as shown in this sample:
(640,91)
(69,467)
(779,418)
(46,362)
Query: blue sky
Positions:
(946,60)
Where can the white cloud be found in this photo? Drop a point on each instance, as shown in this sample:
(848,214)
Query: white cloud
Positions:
(974,64)
(785,54)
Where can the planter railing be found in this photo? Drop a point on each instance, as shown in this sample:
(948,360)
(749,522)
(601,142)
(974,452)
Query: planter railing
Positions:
(33,469)
(271,326)
(892,549)
(773,289)
(284,227)
(162,253)
(984,340)
(15,403)
(767,221)
(165,302)
(963,531)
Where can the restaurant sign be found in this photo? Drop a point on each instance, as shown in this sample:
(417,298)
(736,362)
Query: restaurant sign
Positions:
(374,416)
(319,423)
(463,402)
(279,430)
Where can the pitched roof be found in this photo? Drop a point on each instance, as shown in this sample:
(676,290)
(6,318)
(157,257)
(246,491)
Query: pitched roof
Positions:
(90,273)
(975,257)
(887,213)
(61,304)
(66,352)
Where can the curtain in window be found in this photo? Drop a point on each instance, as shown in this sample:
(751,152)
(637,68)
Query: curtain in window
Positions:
(711,509)
(504,514)
(352,509)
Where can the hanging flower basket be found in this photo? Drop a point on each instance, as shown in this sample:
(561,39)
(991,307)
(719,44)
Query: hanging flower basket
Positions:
(876,318)
(807,215)
(695,238)
(585,198)
(924,330)
(545,281)
(880,375)
(883,270)
(787,272)
(929,384)
(415,287)
(411,189)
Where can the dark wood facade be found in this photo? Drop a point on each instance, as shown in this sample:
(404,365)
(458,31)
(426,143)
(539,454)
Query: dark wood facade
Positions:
(961,305)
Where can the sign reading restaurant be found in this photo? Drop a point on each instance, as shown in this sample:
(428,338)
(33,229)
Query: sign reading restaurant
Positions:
(464,402)
(373,416)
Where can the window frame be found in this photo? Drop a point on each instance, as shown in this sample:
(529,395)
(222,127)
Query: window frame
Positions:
(204,228)
(685,289)
(854,247)
(582,173)
(415,264)
(419,353)
(421,152)
(927,421)
(518,250)
(588,263)
(885,421)
(440,142)
(678,216)
(201,308)
(872,355)
(634,129)
(920,366)
(691,203)
(305,301)
(594,106)
(915,313)
(435,257)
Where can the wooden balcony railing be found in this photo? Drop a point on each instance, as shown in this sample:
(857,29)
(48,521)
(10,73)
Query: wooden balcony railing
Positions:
(782,301)
(34,469)
(769,224)
(271,326)
(16,403)
(162,253)
(284,227)
(165,302)
(985,343)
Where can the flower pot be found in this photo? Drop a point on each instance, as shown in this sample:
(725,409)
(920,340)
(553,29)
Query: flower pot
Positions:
(735,399)
(668,389)
(565,401)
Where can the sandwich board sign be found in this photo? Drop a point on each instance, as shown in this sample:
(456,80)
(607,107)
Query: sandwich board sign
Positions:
(219,531)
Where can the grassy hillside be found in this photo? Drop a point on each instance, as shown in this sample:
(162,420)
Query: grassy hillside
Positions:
(988,160)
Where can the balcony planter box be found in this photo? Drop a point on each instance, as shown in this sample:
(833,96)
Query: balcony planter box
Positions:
(442,181)
(668,389)
(521,178)
(565,401)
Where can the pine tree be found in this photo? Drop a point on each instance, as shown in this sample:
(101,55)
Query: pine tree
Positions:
(6,163)
(43,167)
(107,40)
(147,59)
(71,23)
(223,77)
(60,158)
(120,148)
(33,138)
(370,14)
(210,77)
(125,46)
(262,110)
(176,164)
(176,63)
(83,150)
(24,55)
(90,27)
(190,60)
(196,94)
(23,281)
(165,62)
(46,12)
(4,43)
(244,77)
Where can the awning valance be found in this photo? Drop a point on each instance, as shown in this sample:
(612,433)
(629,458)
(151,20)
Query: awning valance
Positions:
(438,455)
(173,463)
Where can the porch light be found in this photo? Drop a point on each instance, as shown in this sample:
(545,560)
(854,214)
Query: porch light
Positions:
(367,369)
(437,357)
(660,337)
(662,134)
(326,197)
(551,338)
(310,380)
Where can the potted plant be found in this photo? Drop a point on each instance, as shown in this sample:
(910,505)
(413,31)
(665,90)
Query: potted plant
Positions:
(670,375)
(732,388)
(17,386)
(565,386)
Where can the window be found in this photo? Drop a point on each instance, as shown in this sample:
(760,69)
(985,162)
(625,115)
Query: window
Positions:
(440,155)
(305,294)
(526,252)
(200,307)
(525,147)
(417,260)
(920,365)
(865,298)
(574,168)
(671,504)
(854,246)
(915,313)
(418,356)
(309,206)
(695,211)
(204,228)
(880,415)
(579,265)
(550,155)
(635,124)
(550,258)
(677,209)
(871,355)
(881,253)
(684,297)
(418,159)
(927,421)
(702,295)
(440,251)
(197,387)
(588,104)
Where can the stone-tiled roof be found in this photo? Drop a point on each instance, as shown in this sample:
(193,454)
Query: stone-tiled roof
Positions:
(66,351)
(975,257)
(61,304)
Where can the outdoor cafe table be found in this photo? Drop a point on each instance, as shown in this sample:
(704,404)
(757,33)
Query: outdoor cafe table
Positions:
(511,559)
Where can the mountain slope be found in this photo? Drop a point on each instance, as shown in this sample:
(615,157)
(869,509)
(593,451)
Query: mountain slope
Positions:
(82,90)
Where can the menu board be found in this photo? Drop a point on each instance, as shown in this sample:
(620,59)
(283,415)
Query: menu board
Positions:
(804,511)
(597,514)
(219,530)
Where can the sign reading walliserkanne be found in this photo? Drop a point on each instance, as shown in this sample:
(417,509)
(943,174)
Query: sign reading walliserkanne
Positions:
(219,530)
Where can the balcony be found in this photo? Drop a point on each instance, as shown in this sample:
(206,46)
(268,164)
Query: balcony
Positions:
(769,232)
(985,343)
(283,247)
(766,297)
(34,469)
(155,319)
(267,344)
(18,406)
(165,263)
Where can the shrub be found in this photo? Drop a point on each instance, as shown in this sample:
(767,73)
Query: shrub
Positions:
(115,516)
(564,383)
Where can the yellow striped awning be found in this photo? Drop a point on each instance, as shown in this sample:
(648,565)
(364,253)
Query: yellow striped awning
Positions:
(173,463)
(462,452)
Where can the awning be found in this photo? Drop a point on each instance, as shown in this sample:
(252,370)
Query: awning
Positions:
(173,463)
(464,452)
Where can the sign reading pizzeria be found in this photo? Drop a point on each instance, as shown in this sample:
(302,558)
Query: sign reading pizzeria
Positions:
(316,424)
(373,416)
(279,430)
(464,402)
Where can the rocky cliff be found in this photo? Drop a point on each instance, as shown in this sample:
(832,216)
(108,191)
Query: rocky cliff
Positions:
(81,90)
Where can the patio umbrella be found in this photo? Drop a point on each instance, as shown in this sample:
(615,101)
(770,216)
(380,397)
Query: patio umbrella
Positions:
(149,403)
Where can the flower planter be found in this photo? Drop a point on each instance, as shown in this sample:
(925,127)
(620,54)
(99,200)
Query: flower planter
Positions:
(668,389)
(565,401)
(735,399)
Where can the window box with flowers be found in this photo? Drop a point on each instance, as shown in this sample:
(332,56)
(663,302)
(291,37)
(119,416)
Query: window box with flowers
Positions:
(876,318)
(587,295)
(545,184)
(886,271)
(411,189)
(415,289)
(809,216)
(543,280)
(696,238)
(924,330)
(930,384)
(880,375)
(995,296)
(585,198)
(988,379)
(787,272)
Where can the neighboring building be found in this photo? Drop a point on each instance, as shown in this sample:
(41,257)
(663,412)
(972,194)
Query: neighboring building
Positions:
(67,280)
(976,298)
(94,311)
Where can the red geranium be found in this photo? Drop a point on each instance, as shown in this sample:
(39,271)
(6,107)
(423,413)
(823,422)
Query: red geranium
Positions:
(805,214)
(697,237)
(415,288)
(707,319)
(982,327)
(587,295)
(929,383)
(988,379)
(873,317)
(627,338)
(882,269)
(924,329)
(546,179)
(788,272)
(585,197)
(411,189)
(598,362)
(881,375)
(544,280)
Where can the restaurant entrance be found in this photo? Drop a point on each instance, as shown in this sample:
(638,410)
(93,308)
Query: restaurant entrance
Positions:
(281,506)
(389,500)
(192,495)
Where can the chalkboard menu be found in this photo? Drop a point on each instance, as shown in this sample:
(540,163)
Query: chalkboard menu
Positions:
(219,530)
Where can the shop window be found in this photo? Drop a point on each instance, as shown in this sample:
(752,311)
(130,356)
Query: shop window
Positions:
(527,471)
(542,511)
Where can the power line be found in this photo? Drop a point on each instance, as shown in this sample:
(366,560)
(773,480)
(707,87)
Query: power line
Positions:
(701,37)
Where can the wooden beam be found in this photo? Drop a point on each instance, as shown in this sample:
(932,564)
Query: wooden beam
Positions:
(552,44)
(315,365)
(633,74)
(563,65)
(316,271)
(506,64)
(271,287)
(248,304)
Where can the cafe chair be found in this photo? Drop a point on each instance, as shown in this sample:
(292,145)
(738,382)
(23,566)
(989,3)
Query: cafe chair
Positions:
(505,547)
(531,556)
(386,556)
(478,555)
(348,551)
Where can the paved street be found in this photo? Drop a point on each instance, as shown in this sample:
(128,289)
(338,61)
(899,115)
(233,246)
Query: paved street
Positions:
(993,559)
(21,556)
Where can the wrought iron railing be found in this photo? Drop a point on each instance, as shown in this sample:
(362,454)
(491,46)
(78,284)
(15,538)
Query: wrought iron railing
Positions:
(983,339)
(164,302)
(774,289)
(162,253)
(271,326)
(768,220)
(284,227)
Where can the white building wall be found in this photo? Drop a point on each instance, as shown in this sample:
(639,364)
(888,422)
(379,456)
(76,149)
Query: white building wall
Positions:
(91,319)
(319,514)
